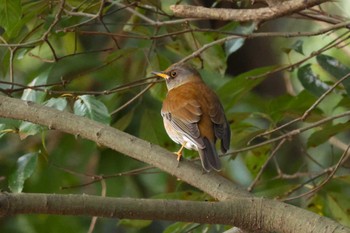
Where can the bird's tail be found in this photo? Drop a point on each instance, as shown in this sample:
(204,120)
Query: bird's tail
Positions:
(209,157)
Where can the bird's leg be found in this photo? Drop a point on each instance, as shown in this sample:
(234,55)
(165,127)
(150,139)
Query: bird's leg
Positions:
(179,153)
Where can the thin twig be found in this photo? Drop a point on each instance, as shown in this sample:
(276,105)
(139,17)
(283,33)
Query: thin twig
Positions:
(55,22)
(290,134)
(308,111)
(273,153)
(332,170)
(98,178)
(133,99)
(103,194)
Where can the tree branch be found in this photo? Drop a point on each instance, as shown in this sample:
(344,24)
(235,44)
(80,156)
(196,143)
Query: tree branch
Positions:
(241,212)
(243,15)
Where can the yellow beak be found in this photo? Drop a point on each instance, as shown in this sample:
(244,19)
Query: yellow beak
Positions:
(161,74)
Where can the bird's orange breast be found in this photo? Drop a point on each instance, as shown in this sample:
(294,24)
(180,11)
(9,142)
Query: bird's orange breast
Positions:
(191,102)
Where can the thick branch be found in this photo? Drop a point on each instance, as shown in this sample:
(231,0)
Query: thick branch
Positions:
(262,214)
(243,15)
(239,211)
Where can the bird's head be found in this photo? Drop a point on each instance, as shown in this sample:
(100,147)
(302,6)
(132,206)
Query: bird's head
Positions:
(178,74)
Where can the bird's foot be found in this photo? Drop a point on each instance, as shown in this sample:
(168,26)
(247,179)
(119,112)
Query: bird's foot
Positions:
(179,155)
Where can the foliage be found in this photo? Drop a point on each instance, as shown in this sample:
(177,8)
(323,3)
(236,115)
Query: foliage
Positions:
(92,58)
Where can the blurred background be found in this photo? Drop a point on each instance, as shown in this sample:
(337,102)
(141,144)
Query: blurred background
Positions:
(94,58)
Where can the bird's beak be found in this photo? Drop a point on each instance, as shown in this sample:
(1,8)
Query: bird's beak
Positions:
(161,74)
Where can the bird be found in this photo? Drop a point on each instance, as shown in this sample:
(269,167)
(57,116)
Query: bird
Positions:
(193,115)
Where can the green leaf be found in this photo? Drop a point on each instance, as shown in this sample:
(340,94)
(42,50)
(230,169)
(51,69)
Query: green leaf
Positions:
(335,68)
(29,15)
(239,86)
(212,57)
(48,21)
(159,91)
(133,24)
(233,45)
(138,224)
(88,106)
(30,11)
(337,209)
(321,136)
(26,165)
(180,227)
(22,53)
(2,130)
(310,81)
(33,95)
(255,159)
(159,62)
(57,103)
(287,106)
(244,132)
(27,128)
(124,121)
(151,129)
(344,102)
(298,46)
(10,13)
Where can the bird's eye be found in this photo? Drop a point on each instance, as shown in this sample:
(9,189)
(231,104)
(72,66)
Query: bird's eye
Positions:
(173,74)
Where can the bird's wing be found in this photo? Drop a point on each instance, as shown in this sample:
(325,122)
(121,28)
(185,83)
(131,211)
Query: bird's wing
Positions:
(221,126)
(184,117)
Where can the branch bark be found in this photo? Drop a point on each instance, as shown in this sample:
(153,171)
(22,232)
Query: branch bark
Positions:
(254,213)
(244,15)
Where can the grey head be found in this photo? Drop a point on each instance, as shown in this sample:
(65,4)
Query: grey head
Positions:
(179,74)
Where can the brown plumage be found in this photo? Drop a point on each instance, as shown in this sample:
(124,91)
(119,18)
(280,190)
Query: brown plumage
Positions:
(193,115)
